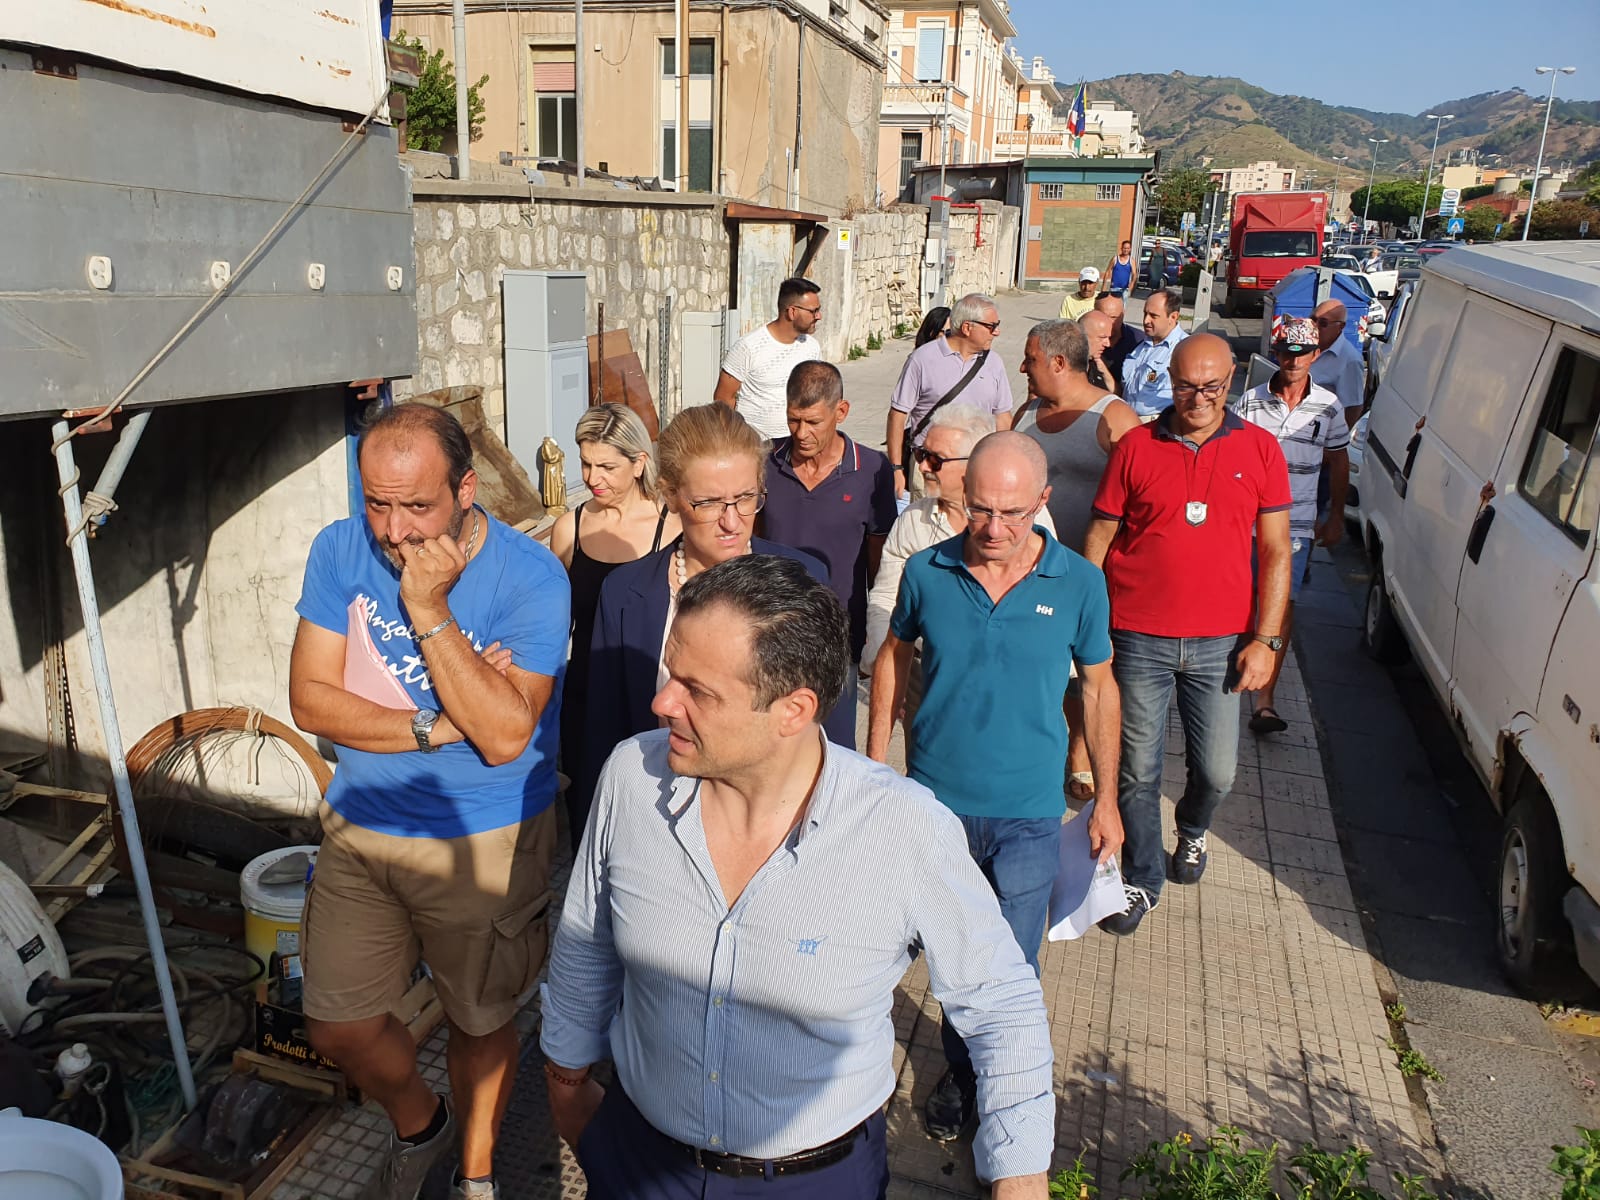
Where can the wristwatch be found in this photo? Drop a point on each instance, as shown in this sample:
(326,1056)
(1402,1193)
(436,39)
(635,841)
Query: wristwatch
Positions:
(422,723)
(1274,644)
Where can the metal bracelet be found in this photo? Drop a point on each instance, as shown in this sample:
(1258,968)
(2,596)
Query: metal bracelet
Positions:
(439,628)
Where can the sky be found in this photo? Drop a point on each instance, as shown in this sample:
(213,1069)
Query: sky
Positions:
(1386,57)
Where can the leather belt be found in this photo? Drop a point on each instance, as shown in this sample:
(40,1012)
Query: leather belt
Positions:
(737,1165)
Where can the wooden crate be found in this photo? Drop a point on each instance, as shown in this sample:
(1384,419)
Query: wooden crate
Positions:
(152,1176)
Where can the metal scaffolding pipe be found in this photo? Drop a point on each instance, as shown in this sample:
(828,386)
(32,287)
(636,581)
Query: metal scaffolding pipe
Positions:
(95,636)
(458,23)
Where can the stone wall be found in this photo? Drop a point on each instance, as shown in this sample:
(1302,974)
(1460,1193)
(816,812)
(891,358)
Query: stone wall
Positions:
(985,244)
(872,282)
(640,250)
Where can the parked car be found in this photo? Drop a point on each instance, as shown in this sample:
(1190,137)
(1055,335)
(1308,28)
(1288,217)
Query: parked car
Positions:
(1357,454)
(1341,262)
(1407,267)
(1381,347)
(1479,507)
(1177,256)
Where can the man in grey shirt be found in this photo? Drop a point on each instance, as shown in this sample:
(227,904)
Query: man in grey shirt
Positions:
(740,913)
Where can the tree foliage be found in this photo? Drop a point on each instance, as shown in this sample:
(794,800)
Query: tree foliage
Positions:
(1480,223)
(431,105)
(1180,190)
(1554,220)
(1394,203)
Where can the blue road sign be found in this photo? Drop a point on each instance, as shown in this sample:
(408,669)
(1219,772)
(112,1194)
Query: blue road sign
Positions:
(1455,225)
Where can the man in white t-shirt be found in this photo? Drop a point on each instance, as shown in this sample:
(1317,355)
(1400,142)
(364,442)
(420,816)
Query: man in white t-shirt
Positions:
(755,375)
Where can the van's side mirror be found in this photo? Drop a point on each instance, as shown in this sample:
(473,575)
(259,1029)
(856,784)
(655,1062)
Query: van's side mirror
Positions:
(1378,330)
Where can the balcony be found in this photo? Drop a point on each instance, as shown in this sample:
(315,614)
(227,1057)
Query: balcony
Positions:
(923,100)
(1013,143)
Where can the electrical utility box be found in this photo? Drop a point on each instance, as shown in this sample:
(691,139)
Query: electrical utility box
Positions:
(547,364)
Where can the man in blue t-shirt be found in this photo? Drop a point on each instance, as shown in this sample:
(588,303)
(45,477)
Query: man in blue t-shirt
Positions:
(430,649)
(1004,611)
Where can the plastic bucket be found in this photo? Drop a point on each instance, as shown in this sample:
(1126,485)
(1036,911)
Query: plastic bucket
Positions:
(272,911)
(41,1160)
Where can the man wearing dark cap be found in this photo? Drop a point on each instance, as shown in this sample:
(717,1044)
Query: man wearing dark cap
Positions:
(1309,423)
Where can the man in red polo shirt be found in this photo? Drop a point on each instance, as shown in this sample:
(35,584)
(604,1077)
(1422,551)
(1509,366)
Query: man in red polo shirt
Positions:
(1172,528)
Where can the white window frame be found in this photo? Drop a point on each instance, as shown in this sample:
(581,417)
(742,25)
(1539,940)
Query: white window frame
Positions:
(1108,191)
(1052,191)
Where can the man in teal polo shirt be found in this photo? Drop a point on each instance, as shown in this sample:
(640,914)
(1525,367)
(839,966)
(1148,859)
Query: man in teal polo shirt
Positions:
(1003,611)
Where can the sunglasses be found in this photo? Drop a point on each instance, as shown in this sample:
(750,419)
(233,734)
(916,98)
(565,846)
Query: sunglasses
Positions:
(936,462)
(991,326)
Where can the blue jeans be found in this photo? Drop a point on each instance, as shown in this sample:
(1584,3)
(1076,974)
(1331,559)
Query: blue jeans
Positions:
(1019,857)
(1147,669)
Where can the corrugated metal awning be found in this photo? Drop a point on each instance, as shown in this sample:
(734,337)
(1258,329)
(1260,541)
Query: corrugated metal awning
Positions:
(738,210)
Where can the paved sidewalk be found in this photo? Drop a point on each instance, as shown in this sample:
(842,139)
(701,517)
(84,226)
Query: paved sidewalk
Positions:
(1249,1000)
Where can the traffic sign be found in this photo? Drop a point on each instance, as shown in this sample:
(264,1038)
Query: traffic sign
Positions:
(1449,200)
(1455,225)
(1188,222)
(1583,229)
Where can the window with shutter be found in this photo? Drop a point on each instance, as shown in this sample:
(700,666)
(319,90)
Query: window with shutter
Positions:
(930,53)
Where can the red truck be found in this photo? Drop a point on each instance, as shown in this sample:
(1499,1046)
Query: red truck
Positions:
(1273,233)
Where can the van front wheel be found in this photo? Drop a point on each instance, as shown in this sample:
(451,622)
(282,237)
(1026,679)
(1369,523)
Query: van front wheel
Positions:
(1380,634)
(1531,938)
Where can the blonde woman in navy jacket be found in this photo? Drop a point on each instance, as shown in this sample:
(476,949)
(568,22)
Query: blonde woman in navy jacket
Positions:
(713,468)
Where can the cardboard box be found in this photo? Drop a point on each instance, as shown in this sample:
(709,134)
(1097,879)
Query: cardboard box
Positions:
(281,1029)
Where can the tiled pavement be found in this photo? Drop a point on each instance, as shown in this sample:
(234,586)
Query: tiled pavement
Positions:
(1249,1000)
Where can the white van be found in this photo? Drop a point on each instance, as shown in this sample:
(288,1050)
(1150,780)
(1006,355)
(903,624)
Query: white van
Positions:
(1480,491)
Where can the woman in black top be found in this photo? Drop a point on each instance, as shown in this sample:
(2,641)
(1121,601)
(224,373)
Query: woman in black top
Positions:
(621,521)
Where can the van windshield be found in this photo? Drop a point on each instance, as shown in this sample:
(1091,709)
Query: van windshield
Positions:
(1280,243)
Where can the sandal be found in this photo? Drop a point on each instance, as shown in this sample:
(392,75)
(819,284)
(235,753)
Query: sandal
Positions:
(1081,785)
(1266,720)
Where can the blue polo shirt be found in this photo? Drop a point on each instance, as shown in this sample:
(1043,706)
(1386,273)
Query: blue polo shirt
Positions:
(989,739)
(834,520)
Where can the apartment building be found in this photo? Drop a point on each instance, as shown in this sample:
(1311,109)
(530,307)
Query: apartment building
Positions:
(1257,177)
(783,97)
(947,92)
(1034,127)
(1111,131)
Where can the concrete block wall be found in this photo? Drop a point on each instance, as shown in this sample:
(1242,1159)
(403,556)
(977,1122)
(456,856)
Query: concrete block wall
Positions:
(638,249)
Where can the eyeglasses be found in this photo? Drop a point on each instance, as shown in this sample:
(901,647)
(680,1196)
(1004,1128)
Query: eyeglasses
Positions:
(804,309)
(703,512)
(936,462)
(991,326)
(1013,517)
(1207,391)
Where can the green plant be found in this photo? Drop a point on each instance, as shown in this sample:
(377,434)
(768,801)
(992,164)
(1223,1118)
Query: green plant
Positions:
(431,105)
(856,352)
(874,340)
(901,329)
(1411,1062)
(1189,276)
(1073,1183)
(1218,1168)
(1396,1012)
(1579,1167)
(1321,1175)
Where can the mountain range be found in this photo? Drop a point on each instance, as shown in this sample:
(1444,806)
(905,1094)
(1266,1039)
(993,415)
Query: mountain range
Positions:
(1195,118)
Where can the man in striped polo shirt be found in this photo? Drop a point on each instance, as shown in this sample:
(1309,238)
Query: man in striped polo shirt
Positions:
(1309,423)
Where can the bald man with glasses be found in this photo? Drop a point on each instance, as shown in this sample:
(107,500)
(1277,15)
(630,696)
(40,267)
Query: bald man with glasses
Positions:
(1003,611)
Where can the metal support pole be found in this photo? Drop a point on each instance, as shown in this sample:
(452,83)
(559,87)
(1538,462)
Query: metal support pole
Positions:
(682,53)
(1538,166)
(458,23)
(1371,179)
(578,57)
(1427,180)
(95,636)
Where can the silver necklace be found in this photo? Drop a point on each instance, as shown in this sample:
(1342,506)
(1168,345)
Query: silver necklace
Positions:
(473,540)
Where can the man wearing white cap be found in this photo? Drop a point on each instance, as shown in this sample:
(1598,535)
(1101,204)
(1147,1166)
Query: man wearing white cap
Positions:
(1309,423)
(1075,305)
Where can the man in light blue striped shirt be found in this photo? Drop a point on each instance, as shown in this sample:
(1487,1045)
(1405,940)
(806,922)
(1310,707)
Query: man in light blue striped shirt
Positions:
(738,918)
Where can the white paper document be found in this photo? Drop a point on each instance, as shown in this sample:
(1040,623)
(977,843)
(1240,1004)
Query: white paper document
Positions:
(1085,892)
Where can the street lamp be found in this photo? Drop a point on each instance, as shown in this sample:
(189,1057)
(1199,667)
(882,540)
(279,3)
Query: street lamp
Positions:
(1427,180)
(1553,72)
(1338,174)
(1367,207)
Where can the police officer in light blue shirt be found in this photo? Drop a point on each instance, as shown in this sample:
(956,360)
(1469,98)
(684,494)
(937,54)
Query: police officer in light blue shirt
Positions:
(739,917)
(1146,385)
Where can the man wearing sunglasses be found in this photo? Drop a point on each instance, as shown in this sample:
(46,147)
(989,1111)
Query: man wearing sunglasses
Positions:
(1004,611)
(756,372)
(961,364)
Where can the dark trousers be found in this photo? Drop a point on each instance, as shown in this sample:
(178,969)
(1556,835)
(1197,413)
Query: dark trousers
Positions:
(624,1157)
(1019,856)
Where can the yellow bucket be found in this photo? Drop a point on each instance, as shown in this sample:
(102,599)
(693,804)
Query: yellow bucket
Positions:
(272,911)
